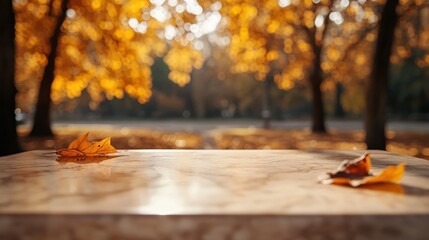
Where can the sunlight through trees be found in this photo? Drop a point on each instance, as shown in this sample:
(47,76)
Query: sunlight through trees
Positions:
(106,48)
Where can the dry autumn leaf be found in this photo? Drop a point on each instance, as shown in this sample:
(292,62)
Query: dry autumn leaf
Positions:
(81,147)
(356,172)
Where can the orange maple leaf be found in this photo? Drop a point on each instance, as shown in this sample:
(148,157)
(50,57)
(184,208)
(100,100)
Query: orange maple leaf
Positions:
(356,172)
(81,147)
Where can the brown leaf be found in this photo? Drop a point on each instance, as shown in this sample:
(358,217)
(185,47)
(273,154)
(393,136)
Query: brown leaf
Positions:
(81,147)
(356,172)
(356,168)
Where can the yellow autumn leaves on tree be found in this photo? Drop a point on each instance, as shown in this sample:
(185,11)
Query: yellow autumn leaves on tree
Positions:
(108,47)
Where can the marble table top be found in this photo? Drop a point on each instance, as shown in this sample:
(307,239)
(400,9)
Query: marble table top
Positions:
(265,187)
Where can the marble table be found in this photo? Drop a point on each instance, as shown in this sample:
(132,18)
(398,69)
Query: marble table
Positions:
(207,194)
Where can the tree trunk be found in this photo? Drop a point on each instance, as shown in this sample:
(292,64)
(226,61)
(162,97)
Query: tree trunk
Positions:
(266,101)
(188,100)
(318,111)
(42,117)
(316,78)
(8,136)
(376,94)
(339,110)
(199,101)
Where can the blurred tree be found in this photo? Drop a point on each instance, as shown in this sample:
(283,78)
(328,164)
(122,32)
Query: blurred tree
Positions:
(161,86)
(199,81)
(8,137)
(188,29)
(107,47)
(42,116)
(101,48)
(376,95)
(409,85)
(90,47)
(316,37)
(349,69)
(408,36)
(339,111)
(334,30)
(257,31)
(34,23)
(295,40)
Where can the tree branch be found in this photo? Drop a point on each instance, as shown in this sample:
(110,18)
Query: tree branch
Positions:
(356,42)
(51,8)
(327,22)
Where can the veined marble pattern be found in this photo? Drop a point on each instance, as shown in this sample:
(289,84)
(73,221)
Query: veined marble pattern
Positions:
(203,182)
(203,187)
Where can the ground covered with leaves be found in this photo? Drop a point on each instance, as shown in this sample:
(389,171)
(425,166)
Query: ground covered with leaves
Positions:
(406,143)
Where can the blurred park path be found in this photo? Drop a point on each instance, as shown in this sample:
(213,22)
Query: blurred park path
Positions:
(202,126)
(408,138)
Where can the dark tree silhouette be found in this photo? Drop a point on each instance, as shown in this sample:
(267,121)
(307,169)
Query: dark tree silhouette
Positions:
(316,76)
(266,100)
(318,111)
(8,136)
(42,117)
(376,94)
(339,111)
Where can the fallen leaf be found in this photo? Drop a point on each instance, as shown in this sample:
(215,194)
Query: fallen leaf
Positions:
(384,187)
(102,147)
(80,142)
(70,153)
(81,147)
(357,172)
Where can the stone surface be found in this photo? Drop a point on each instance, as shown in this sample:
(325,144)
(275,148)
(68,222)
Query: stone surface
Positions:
(207,194)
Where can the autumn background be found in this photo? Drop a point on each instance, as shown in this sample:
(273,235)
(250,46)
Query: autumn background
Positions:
(216,74)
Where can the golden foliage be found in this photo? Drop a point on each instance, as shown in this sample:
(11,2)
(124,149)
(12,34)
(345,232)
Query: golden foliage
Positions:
(181,60)
(108,47)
